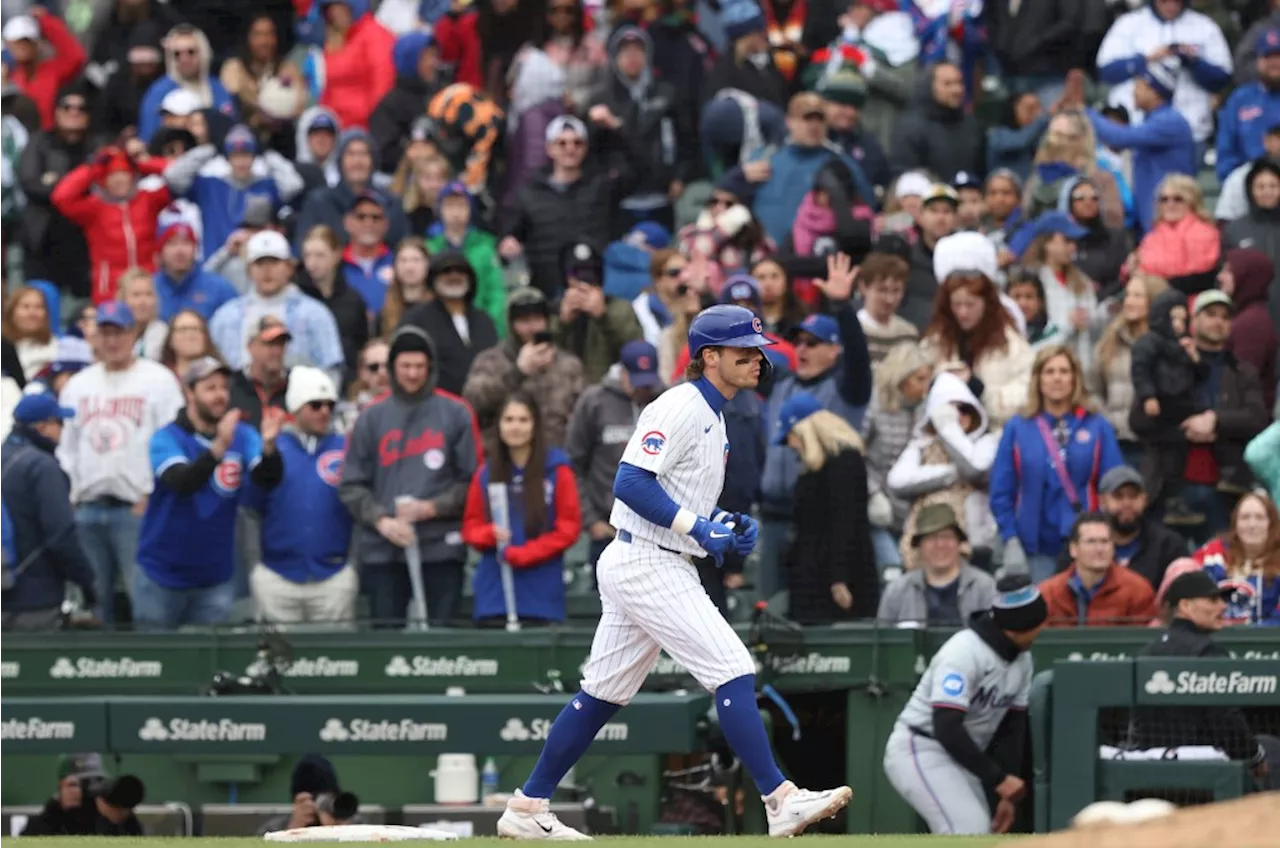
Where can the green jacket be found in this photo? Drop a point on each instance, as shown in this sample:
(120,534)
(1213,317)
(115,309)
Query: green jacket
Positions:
(601,339)
(481,251)
(1263,458)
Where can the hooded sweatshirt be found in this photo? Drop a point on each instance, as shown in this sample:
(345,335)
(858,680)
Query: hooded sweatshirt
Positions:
(602,423)
(422,444)
(208,89)
(304,156)
(944,464)
(407,101)
(1253,331)
(329,206)
(1259,229)
(457,338)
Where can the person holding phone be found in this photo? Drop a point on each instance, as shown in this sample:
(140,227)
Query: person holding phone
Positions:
(529,361)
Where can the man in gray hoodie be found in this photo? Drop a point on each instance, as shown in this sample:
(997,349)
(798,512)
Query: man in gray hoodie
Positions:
(422,446)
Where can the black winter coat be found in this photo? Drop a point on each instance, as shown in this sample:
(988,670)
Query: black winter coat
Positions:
(1047,37)
(84,820)
(657,131)
(546,219)
(53,246)
(393,118)
(1220,726)
(350,314)
(940,140)
(1100,254)
(832,543)
(762,84)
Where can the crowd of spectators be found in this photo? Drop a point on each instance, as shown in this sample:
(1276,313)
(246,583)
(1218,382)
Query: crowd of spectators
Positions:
(302,297)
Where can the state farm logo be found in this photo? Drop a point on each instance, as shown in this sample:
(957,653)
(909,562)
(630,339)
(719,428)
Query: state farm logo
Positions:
(90,668)
(35,728)
(201,730)
(336,731)
(319,667)
(423,666)
(10,670)
(1213,683)
(537,730)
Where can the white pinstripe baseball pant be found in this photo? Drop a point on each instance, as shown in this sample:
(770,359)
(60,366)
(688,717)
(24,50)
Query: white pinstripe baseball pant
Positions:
(652,601)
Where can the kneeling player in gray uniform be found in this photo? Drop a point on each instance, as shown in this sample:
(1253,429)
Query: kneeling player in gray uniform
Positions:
(975,690)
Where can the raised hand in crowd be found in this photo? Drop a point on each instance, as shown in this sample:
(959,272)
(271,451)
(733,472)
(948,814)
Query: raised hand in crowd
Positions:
(842,274)
(535,357)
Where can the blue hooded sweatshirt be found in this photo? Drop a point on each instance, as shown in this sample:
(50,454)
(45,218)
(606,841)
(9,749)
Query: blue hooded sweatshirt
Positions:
(1162,145)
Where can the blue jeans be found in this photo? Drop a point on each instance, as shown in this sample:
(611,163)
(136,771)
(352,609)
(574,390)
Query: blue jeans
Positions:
(109,534)
(885,544)
(771,560)
(158,608)
(1042,567)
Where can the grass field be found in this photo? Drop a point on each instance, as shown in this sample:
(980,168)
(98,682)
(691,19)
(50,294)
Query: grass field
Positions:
(893,841)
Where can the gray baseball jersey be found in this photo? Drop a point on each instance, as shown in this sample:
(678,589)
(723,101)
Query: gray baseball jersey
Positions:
(966,674)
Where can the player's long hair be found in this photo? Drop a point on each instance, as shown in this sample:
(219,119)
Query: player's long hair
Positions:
(825,434)
(501,469)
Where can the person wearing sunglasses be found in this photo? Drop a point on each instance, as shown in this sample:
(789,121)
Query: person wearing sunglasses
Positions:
(367,261)
(1100,250)
(304,576)
(187,59)
(657,306)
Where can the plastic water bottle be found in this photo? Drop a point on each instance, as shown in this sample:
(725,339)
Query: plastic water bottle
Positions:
(488,780)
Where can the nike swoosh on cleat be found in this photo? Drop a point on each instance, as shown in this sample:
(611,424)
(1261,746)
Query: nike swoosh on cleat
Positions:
(545,828)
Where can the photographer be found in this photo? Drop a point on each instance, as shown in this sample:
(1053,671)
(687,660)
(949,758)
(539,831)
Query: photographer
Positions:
(317,800)
(88,803)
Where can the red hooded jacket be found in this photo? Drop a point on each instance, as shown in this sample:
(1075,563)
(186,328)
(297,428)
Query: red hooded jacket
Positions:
(1253,333)
(121,234)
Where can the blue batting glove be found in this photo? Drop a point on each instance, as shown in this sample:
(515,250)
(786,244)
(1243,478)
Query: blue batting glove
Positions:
(747,531)
(713,537)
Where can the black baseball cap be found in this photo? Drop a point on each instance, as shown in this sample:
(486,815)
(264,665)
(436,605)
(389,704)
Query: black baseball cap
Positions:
(1194,584)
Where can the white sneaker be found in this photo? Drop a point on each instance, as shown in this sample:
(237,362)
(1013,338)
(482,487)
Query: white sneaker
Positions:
(791,809)
(531,818)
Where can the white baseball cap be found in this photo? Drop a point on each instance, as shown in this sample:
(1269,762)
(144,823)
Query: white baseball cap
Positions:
(912,184)
(307,384)
(22,27)
(180,102)
(267,244)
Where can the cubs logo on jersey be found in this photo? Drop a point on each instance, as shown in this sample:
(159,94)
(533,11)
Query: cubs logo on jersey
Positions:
(653,442)
(228,474)
(329,467)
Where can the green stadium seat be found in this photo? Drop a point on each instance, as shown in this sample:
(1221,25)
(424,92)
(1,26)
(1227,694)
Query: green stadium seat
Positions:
(1223,780)
(1040,717)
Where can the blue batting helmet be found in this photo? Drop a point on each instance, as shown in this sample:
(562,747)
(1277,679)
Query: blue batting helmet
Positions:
(726,326)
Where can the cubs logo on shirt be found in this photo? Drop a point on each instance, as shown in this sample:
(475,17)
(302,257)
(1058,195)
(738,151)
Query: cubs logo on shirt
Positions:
(652,442)
(227,476)
(329,467)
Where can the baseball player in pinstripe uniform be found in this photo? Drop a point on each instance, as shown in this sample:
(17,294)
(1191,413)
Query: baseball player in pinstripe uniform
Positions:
(975,691)
(665,513)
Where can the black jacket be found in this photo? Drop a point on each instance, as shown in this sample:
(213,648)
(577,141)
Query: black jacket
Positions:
(349,312)
(54,247)
(938,139)
(1161,368)
(546,219)
(1100,254)
(118,104)
(761,83)
(37,495)
(84,820)
(1242,415)
(393,118)
(829,547)
(1047,37)
(1223,727)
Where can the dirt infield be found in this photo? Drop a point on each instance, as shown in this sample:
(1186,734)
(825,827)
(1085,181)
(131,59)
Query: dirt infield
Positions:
(1252,822)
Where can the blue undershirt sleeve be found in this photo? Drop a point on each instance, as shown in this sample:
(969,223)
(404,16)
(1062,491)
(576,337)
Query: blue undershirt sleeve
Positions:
(640,490)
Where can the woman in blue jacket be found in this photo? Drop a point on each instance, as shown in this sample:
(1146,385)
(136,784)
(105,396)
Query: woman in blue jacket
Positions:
(543,519)
(1048,465)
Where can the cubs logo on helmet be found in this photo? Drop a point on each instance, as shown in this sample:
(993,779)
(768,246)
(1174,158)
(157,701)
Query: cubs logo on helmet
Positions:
(329,467)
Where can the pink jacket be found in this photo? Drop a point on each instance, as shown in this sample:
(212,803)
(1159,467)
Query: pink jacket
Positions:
(1191,246)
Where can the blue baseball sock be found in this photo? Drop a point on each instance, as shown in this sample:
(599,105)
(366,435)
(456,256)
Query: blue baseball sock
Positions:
(570,736)
(744,731)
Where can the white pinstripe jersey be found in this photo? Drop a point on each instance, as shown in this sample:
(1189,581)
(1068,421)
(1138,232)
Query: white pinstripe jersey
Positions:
(682,441)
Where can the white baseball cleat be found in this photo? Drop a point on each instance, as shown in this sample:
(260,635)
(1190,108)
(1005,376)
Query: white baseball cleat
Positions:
(791,809)
(531,818)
